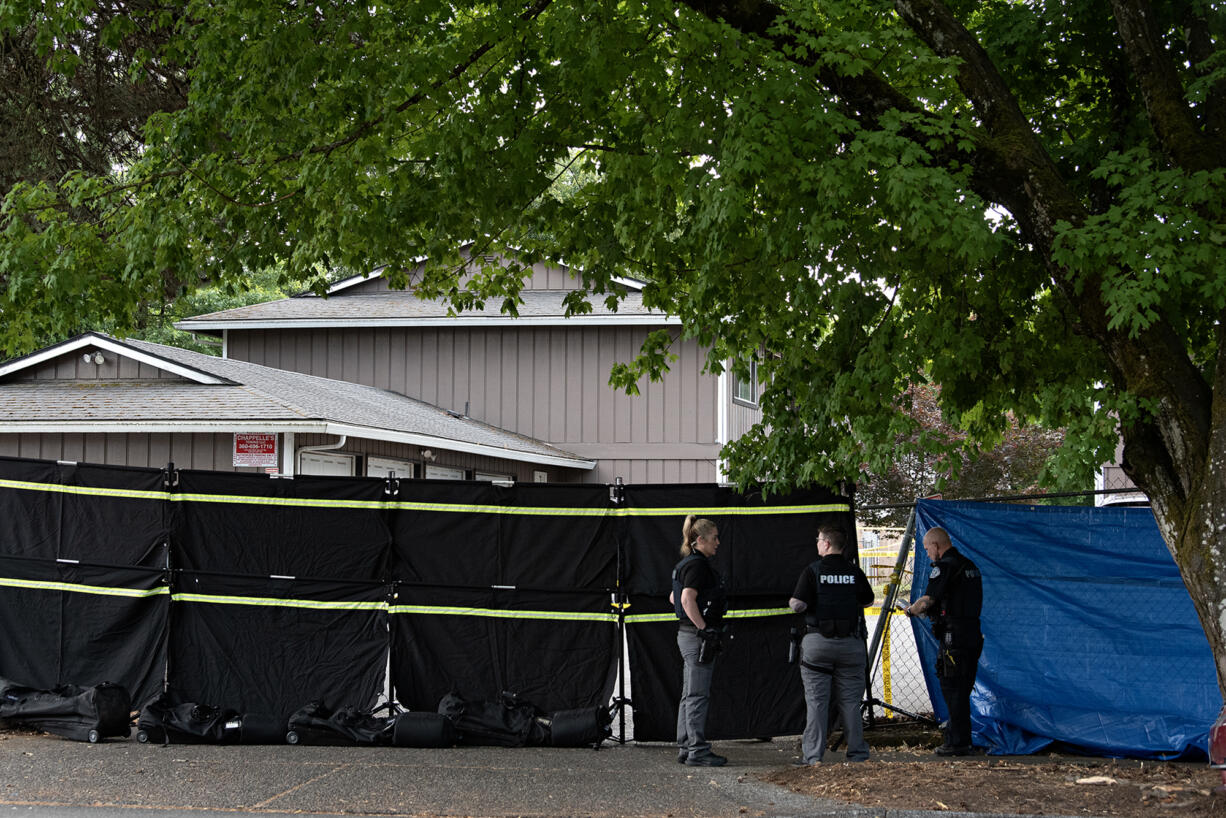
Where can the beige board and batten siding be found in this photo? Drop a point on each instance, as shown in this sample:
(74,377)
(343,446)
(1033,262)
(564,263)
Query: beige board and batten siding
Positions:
(549,383)
(73,367)
(742,415)
(215,452)
(145,449)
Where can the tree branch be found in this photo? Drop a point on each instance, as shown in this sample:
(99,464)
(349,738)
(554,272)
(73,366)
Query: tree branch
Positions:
(363,128)
(1154,363)
(1012,168)
(1165,101)
(1200,49)
(867,95)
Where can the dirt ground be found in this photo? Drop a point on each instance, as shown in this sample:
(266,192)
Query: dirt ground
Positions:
(906,774)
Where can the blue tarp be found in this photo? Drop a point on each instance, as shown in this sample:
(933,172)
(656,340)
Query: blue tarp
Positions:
(1090,637)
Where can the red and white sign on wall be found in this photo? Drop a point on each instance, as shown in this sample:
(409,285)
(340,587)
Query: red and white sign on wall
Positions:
(255,449)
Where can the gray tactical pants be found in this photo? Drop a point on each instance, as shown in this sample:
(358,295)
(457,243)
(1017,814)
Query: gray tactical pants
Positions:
(844,658)
(695,697)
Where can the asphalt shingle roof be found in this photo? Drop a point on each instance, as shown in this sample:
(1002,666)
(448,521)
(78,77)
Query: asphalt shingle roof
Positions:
(402,305)
(257,394)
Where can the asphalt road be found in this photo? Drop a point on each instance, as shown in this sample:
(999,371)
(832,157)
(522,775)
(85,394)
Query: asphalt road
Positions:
(45,775)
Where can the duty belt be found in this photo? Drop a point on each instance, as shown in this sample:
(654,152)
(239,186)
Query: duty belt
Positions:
(833,628)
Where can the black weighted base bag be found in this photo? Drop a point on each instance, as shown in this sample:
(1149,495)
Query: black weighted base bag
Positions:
(423,729)
(507,722)
(585,727)
(166,720)
(261,728)
(79,713)
(314,723)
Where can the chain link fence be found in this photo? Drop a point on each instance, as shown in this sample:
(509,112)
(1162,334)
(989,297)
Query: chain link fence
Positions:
(898,689)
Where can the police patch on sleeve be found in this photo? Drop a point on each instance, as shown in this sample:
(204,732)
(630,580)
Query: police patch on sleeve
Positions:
(935,572)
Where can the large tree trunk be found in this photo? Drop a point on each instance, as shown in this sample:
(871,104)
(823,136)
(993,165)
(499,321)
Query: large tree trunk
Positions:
(1192,523)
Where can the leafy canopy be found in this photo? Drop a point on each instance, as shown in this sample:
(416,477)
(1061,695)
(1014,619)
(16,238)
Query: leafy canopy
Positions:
(807,184)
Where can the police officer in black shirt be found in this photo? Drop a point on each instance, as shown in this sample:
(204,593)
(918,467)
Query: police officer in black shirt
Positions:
(832,593)
(699,600)
(953,600)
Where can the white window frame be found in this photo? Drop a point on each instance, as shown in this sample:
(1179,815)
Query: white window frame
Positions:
(752,383)
(435,472)
(383,466)
(325,457)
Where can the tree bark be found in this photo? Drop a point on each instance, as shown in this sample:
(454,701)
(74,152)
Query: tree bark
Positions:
(1195,531)
(1173,121)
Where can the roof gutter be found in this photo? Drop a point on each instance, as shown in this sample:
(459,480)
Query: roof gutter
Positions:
(441,321)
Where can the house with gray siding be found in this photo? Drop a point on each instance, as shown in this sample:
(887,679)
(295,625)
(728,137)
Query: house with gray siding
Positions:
(540,373)
(99,399)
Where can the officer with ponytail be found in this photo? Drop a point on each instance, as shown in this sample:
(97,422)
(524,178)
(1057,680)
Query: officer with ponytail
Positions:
(832,593)
(699,601)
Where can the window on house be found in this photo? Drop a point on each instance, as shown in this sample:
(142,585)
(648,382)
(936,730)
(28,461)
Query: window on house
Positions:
(386,466)
(434,472)
(326,463)
(746,390)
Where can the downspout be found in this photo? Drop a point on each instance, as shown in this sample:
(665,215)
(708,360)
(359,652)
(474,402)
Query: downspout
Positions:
(289,460)
(323,447)
(721,431)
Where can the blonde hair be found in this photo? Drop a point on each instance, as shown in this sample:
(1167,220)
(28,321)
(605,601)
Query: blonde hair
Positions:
(691,530)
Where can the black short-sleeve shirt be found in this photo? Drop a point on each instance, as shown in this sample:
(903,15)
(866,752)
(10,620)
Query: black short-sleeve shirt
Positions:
(699,575)
(955,586)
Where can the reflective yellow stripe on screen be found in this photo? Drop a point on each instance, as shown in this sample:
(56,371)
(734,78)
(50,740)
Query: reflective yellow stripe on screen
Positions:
(292,502)
(732,511)
(499,613)
(548,511)
(95,491)
(745,613)
(277,602)
(527,511)
(751,613)
(78,588)
(454,508)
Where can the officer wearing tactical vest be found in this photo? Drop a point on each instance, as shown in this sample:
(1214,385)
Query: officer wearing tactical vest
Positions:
(953,600)
(700,603)
(832,593)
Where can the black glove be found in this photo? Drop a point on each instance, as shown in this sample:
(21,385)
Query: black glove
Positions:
(708,634)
